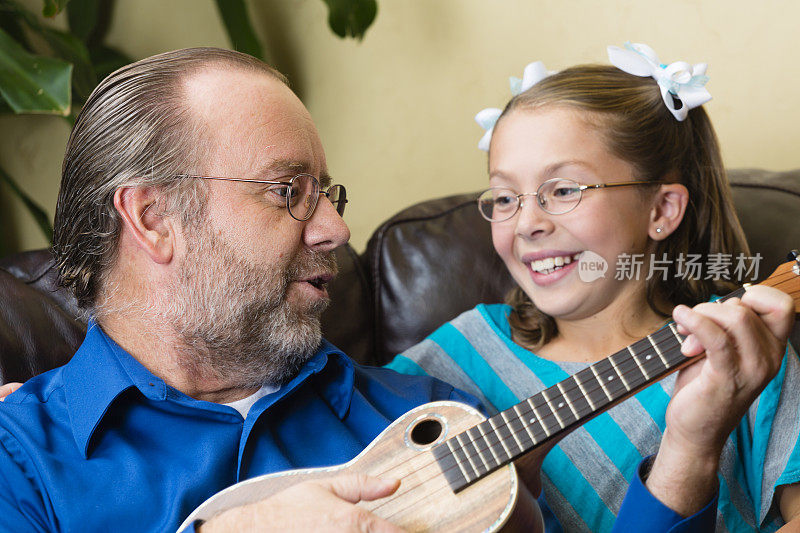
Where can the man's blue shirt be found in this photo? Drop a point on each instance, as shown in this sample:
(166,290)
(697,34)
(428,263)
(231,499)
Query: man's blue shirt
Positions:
(101,443)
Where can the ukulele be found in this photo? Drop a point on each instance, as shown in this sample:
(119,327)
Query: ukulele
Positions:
(456,466)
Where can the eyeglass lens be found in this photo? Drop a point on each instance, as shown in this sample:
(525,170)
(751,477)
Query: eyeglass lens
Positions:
(556,196)
(304,196)
(338,197)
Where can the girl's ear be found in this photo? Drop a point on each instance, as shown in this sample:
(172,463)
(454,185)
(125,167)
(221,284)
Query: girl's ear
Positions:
(141,218)
(668,208)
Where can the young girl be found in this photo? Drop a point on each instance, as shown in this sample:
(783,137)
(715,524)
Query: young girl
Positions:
(622,168)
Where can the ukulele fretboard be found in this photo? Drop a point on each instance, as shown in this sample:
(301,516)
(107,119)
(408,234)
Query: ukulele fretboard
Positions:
(497,441)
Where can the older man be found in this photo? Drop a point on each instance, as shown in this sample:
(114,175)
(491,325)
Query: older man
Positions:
(196,222)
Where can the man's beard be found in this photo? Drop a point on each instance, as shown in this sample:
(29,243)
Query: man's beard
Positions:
(233,316)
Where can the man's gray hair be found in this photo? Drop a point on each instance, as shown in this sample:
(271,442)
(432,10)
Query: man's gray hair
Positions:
(134,130)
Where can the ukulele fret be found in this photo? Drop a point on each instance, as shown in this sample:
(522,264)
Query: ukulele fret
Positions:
(520,420)
(576,398)
(557,407)
(600,381)
(638,364)
(670,345)
(567,400)
(486,431)
(511,431)
(620,373)
(458,461)
(583,390)
(501,439)
(538,417)
(608,375)
(645,354)
(476,441)
(468,456)
(655,347)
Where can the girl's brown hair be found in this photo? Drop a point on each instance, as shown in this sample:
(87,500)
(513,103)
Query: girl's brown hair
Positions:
(638,128)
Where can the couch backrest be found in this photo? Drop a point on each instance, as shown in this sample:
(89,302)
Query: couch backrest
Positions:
(422,267)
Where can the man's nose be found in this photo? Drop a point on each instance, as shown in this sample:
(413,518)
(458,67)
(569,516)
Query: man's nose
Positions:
(325,230)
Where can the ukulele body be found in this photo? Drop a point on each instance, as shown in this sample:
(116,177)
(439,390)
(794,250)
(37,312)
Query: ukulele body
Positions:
(424,500)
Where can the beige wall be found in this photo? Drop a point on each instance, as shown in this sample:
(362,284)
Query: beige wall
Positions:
(395,111)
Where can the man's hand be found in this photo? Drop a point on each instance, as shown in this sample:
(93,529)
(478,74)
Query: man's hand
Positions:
(7,389)
(321,505)
(744,342)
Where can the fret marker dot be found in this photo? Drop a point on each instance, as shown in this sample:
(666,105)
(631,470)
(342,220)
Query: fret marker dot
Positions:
(648,357)
(560,405)
(610,378)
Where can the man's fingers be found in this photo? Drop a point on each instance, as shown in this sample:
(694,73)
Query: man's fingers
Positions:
(360,487)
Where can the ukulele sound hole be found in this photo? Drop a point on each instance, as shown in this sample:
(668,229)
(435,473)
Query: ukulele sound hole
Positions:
(426,432)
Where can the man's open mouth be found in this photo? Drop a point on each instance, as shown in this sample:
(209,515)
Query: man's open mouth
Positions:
(318,281)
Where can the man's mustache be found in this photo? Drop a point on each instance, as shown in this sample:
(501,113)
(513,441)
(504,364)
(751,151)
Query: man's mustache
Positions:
(310,264)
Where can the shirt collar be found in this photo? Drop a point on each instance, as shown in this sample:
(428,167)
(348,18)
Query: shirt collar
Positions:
(95,376)
(336,377)
(100,371)
(334,380)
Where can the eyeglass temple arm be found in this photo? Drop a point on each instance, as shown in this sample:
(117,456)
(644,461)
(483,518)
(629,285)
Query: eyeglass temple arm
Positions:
(620,184)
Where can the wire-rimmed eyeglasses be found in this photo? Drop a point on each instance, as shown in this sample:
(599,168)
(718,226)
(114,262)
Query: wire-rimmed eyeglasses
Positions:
(555,196)
(300,194)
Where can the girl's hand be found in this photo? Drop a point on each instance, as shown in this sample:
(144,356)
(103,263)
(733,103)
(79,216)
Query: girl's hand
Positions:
(7,389)
(744,342)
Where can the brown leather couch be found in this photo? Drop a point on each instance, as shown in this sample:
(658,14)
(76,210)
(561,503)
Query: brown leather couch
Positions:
(421,268)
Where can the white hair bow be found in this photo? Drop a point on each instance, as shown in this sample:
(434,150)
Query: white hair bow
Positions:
(679,80)
(487,118)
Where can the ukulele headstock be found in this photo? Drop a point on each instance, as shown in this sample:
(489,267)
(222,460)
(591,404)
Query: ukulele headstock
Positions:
(787,278)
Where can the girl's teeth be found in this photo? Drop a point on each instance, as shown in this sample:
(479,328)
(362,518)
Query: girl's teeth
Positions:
(551,264)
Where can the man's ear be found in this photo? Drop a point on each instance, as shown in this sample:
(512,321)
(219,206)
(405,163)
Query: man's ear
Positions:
(143,221)
(668,208)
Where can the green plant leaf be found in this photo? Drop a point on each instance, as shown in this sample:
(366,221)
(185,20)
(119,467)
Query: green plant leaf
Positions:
(351,18)
(237,24)
(82,16)
(31,83)
(53,7)
(39,214)
(66,46)
(70,48)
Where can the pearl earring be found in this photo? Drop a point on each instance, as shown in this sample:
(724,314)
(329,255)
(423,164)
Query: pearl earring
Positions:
(659,229)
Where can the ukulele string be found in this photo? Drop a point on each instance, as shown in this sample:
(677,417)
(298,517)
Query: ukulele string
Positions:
(530,411)
(406,488)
